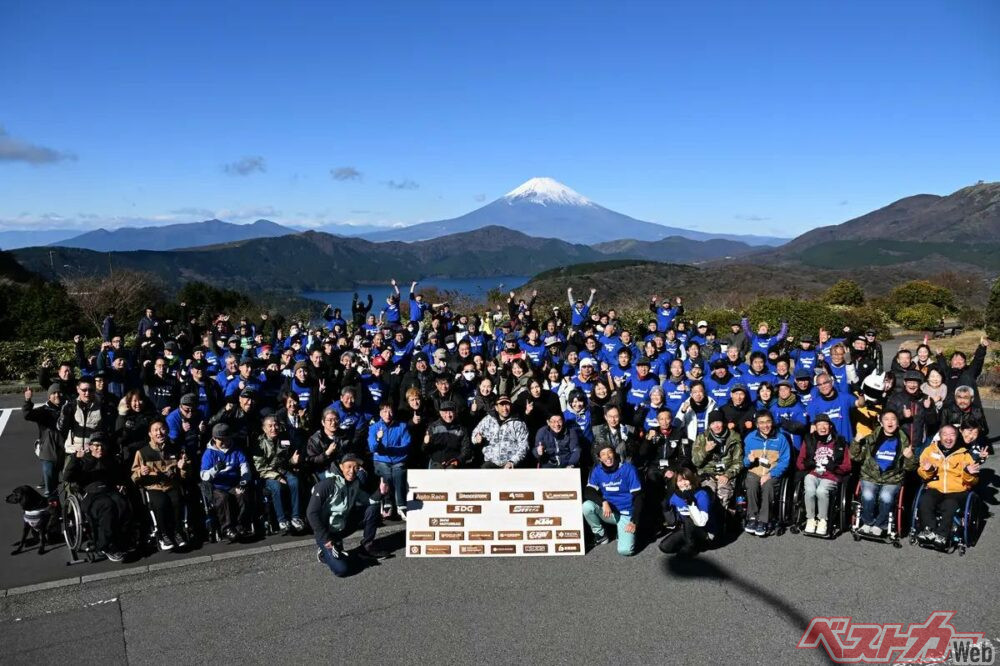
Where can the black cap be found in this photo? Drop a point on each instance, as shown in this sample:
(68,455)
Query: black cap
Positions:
(447,406)
(802,373)
(221,431)
(823,417)
(199,364)
(189,399)
(171,345)
(420,356)
(808,337)
(350,457)
(503,399)
(913,376)
(720,363)
(716,415)
(783,382)
(248,392)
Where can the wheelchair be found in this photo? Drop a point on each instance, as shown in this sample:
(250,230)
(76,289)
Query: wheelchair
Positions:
(259,508)
(782,509)
(966,526)
(76,528)
(896,521)
(838,519)
(151,535)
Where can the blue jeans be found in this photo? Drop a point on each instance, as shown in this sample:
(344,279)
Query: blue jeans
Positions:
(886,493)
(344,565)
(273,489)
(50,477)
(395,475)
(594,516)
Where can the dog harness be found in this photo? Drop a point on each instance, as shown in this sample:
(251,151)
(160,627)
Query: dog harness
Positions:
(34,517)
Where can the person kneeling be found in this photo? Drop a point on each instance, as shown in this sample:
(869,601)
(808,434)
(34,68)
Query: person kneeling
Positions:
(614,496)
(950,472)
(333,514)
(693,506)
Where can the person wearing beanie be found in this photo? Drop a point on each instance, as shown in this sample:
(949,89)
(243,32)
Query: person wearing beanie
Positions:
(824,459)
(49,448)
(718,457)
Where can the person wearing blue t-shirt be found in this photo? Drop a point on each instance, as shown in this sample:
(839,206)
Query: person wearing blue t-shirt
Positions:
(613,496)
(692,506)
(833,401)
(579,311)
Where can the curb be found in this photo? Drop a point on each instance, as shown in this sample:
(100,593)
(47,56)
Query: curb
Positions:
(151,568)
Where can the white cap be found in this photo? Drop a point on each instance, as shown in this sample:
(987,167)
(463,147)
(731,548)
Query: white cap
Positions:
(587,361)
(702,323)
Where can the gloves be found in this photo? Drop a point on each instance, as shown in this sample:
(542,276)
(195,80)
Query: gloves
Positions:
(219,465)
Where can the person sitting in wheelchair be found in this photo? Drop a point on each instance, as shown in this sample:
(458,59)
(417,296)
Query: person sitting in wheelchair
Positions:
(100,477)
(160,468)
(886,455)
(823,458)
(767,454)
(227,471)
(274,466)
(950,471)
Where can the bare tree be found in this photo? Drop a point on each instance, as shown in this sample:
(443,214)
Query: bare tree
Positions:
(127,293)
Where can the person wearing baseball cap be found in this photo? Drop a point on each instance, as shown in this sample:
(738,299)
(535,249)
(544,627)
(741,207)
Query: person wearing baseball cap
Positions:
(789,412)
(337,505)
(446,442)
(227,470)
(824,459)
(918,416)
(806,356)
(502,436)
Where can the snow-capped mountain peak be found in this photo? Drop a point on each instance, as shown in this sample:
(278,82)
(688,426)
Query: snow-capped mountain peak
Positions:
(545,191)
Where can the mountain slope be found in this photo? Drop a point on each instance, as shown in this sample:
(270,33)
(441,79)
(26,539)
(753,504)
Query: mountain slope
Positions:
(675,248)
(545,207)
(18,238)
(173,236)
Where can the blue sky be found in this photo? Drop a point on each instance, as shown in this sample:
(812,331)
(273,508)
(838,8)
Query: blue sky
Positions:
(759,117)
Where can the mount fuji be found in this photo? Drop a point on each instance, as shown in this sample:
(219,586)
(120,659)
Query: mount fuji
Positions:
(544,207)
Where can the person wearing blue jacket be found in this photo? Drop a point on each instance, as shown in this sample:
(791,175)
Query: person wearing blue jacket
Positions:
(833,401)
(557,446)
(756,373)
(579,311)
(389,443)
(789,413)
(767,453)
(227,470)
(761,340)
(639,385)
(693,509)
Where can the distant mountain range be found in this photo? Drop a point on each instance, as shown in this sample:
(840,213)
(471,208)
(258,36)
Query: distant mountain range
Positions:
(174,236)
(547,208)
(676,249)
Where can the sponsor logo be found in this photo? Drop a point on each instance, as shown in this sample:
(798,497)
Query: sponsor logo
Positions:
(451,536)
(503,549)
(559,495)
(438,550)
(481,535)
(421,536)
(472,550)
(567,548)
(464,508)
(507,535)
(567,534)
(447,522)
(517,496)
(414,550)
(544,522)
(526,508)
(539,534)
(535,548)
(473,497)
(933,641)
(431,497)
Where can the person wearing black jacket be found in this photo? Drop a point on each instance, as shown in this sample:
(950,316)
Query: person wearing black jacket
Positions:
(327,445)
(446,442)
(49,447)
(100,477)
(209,392)
(162,388)
(957,371)
(739,411)
(360,310)
(918,415)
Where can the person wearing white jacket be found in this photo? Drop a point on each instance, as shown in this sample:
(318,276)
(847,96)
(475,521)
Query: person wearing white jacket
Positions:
(693,412)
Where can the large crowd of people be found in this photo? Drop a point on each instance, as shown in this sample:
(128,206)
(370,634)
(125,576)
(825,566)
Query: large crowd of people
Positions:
(674,427)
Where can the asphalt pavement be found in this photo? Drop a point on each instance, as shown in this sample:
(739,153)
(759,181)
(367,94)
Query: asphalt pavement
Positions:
(748,602)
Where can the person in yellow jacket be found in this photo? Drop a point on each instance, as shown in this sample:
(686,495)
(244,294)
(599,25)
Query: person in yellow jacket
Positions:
(950,472)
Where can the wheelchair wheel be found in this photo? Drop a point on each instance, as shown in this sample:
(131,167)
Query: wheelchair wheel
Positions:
(841,511)
(915,517)
(797,509)
(785,508)
(72,522)
(973,520)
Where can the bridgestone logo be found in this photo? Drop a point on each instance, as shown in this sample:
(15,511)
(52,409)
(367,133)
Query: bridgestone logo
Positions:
(519,496)
(431,497)
(526,508)
(473,497)
(544,522)
(464,508)
(559,495)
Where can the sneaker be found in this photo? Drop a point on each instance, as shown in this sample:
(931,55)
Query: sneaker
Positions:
(601,540)
(926,536)
(369,552)
(231,535)
(821,527)
(114,556)
(760,529)
(298,525)
(402,513)
(179,540)
(319,556)
(877,531)
(751,526)
(865,529)
(940,541)
(165,543)
(283,526)
(810,526)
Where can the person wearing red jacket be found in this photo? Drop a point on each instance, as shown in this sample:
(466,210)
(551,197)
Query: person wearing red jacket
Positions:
(825,460)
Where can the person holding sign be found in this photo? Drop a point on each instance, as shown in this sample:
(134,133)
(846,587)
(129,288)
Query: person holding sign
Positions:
(613,496)
(886,456)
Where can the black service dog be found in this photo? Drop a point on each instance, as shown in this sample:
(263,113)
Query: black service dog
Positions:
(36,514)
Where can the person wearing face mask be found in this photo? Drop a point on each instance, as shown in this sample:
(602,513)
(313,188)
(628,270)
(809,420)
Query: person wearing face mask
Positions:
(950,471)
(693,507)
(886,455)
(824,460)
(717,456)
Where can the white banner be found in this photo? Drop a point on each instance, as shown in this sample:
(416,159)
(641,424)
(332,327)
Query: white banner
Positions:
(493,512)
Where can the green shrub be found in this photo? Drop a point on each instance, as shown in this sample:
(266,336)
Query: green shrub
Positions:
(922,316)
(845,292)
(971,317)
(916,292)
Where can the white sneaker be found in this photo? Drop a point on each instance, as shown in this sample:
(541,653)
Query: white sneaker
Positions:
(865,529)
(283,525)
(821,527)
(876,531)
(810,526)
(401,511)
(298,525)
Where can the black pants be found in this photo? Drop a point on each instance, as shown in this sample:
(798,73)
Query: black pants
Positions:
(229,505)
(760,499)
(109,515)
(688,540)
(168,508)
(934,504)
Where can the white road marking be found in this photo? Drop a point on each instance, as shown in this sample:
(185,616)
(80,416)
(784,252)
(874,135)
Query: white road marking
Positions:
(4,417)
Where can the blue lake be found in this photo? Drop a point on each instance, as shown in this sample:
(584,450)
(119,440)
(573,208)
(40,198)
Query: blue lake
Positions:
(473,288)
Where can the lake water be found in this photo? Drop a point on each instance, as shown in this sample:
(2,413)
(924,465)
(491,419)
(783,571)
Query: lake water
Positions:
(473,288)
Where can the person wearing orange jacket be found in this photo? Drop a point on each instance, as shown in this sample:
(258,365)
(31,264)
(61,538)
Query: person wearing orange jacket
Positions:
(950,472)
